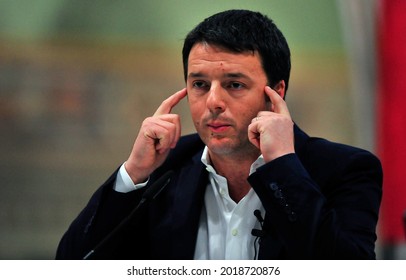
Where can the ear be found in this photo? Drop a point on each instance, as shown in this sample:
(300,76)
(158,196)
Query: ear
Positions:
(280,88)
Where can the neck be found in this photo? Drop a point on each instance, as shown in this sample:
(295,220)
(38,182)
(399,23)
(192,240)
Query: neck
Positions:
(236,170)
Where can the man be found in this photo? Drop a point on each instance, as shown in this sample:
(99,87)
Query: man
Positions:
(250,184)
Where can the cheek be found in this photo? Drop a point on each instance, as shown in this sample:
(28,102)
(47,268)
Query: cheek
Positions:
(245,116)
(260,105)
(196,109)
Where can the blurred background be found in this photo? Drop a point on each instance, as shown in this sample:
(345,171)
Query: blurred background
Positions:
(77,77)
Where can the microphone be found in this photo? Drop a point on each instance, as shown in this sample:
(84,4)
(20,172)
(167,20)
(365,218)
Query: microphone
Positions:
(257,214)
(155,189)
(150,193)
(258,233)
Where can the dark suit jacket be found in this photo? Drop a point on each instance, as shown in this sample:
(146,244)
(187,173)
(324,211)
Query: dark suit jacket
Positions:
(321,203)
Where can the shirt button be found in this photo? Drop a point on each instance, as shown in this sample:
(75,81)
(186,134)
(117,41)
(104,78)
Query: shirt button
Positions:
(234,232)
(222,192)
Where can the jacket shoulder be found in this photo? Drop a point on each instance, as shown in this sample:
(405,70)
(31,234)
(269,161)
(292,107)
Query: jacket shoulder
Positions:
(319,149)
(337,159)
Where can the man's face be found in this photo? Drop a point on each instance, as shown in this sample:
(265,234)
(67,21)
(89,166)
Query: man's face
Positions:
(225,92)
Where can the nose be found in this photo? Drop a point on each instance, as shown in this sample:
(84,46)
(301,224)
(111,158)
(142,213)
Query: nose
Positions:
(216,99)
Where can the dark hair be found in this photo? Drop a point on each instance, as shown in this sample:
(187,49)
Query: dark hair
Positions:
(240,31)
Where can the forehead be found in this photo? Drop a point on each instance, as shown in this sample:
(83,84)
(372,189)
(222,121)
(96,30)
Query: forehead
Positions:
(203,56)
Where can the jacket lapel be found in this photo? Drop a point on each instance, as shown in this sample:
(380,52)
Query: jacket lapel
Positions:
(189,198)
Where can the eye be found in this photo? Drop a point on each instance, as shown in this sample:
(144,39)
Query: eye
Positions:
(235,85)
(199,84)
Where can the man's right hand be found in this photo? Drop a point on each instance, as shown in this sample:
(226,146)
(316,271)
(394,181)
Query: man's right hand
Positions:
(157,136)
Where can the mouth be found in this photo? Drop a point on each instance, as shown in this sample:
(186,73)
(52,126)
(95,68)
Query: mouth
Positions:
(217,127)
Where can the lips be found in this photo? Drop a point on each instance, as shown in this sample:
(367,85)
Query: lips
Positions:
(218,126)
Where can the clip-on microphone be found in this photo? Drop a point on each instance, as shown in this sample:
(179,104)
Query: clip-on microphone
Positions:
(258,233)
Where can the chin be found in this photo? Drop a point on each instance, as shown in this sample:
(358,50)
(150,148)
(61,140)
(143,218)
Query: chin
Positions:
(221,145)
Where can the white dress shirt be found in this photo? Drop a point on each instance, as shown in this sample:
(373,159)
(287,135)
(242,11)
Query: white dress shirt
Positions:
(225,226)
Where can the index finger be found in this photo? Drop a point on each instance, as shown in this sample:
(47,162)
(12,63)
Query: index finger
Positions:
(168,104)
(279,105)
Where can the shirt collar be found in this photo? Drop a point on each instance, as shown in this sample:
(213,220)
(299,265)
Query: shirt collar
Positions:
(206,161)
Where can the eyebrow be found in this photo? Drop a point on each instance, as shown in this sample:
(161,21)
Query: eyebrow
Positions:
(227,75)
(195,75)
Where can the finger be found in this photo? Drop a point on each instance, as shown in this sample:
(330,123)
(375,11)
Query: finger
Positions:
(172,122)
(257,118)
(161,135)
(254,135)
(159,138)
(168,104)
(164,128)
(279,105)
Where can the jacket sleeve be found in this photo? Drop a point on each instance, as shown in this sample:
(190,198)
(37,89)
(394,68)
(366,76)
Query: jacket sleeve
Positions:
(104,211)
(331,218)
